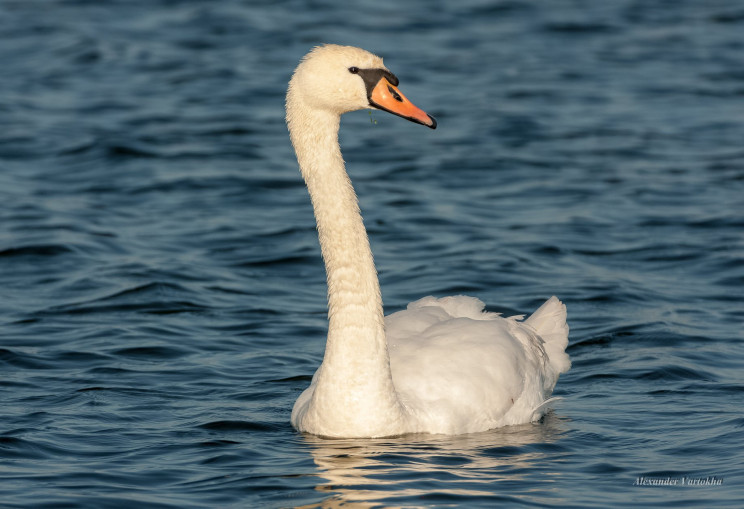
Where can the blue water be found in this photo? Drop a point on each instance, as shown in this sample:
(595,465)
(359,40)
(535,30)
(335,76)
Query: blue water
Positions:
(162,297)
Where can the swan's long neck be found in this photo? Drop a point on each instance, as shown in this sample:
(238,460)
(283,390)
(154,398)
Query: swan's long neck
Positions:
(355,377)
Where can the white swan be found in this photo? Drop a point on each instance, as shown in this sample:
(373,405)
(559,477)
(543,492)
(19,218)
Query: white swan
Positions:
(440,366)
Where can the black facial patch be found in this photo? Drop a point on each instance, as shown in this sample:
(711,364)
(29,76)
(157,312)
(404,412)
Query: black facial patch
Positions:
(372,76)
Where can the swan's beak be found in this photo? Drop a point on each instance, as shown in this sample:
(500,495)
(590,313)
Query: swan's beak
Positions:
(386,96)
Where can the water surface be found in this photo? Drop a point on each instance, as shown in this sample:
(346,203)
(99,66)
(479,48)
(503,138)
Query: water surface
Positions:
(162,297)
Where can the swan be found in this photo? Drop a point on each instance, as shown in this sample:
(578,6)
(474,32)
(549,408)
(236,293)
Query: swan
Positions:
(443,365)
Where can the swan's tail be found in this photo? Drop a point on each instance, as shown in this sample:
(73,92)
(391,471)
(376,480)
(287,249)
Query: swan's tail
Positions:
(550,323)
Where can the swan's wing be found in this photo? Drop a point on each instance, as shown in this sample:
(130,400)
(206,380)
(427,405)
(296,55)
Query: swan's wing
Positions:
(459,369)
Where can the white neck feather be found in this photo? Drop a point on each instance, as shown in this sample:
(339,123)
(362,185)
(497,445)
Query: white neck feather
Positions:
(354,386)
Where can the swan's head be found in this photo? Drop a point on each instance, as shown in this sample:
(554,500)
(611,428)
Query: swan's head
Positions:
(340,79)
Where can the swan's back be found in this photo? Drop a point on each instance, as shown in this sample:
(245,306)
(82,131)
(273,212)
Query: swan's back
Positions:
(458,369)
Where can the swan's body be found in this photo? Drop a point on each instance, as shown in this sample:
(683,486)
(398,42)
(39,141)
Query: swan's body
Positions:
(440,366)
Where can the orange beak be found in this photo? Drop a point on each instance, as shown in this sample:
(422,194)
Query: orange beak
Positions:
(386,96)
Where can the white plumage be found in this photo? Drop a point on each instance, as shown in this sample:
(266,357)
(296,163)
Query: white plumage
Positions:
(440,366)
(460,369)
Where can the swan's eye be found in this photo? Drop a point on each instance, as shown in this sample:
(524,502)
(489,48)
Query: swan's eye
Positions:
(354,70)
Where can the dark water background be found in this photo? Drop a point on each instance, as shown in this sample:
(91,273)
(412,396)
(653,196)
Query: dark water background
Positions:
(161,290)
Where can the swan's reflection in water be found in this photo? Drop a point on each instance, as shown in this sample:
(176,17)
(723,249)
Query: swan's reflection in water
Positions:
(423,469)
